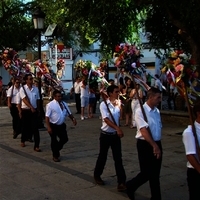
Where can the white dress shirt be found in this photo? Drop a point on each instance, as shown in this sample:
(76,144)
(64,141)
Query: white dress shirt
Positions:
(55,114)
(115,110)
(12,92)
(33,96)
(189,140)
(154,122)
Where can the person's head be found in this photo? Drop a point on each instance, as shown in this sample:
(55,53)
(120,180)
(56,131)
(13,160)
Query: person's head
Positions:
(28,79)
(113,90)
(153,97)
(111,81)
(78,79)
(16,82)
(1,78)
(196,110)
(57,95)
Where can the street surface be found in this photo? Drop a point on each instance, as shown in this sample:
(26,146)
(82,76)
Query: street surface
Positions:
(29,175)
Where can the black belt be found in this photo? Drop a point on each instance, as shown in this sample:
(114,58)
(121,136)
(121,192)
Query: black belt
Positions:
(109,133)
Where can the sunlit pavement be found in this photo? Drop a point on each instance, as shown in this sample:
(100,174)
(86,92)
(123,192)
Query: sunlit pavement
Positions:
(26,174)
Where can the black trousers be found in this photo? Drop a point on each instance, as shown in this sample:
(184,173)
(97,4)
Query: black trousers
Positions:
(58,131)
(149,169)
(114,142)
(193,180)
(78,102)
(16,121)
(30,127)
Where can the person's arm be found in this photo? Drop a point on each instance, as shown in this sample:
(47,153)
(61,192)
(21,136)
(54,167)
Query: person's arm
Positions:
(143,128)
(73,119)
(70,114)
(9,102)
(19,109)
(132,93)
(147,136)
(114,126)
(28,104)
(9,98)
(194,162)
(49,130)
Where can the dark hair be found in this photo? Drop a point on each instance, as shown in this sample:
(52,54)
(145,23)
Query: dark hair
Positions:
(152,91)
(26,76)
(110,80)
(0,77)
(111,88)
(196,108)
(55,92)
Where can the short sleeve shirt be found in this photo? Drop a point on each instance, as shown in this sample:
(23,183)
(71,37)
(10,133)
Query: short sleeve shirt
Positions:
(189,140)
(154,122)
(115,110)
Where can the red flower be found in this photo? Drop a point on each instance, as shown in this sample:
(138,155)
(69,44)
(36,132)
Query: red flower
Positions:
(117,48)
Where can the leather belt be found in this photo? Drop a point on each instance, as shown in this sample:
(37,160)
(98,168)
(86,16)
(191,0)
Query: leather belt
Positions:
(108,133)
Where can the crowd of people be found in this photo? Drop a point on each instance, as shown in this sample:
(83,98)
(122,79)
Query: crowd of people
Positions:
(122,100)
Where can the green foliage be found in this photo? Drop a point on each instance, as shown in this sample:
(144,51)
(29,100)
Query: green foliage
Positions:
(15,25)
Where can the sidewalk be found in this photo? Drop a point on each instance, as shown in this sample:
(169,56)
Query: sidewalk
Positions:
(25,174)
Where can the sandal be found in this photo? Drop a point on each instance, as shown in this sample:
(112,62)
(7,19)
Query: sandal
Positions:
(125,124)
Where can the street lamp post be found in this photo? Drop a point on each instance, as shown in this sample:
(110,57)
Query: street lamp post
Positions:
(38,20)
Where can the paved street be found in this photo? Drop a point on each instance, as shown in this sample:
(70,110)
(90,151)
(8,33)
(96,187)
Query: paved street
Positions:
(29,175)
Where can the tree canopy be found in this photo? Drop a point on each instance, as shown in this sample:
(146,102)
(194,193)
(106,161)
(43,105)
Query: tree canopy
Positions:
(172,24)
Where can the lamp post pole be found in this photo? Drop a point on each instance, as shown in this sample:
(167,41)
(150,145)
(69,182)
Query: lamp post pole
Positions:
(38,20)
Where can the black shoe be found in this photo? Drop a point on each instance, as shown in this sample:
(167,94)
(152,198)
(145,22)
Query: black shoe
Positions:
(55,159)
(98,180)
(129,191)
(121,187)
(15,135)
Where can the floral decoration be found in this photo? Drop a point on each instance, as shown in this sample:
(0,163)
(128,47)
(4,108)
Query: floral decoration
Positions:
(127,56)
(91,73)
(17,67)
(181,72)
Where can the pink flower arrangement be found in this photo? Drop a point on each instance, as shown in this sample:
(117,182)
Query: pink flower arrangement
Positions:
(126,55)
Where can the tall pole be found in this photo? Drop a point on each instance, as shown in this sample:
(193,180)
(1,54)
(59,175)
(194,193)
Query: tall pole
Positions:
(39,45)
(41,124)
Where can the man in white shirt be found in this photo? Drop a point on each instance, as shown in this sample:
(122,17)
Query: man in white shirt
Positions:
(30,105)
(56,113)
(110,137)
(192,150)
(77,92)
(12,105)
(149,146)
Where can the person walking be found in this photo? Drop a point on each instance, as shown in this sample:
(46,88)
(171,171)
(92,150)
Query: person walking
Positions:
(193,162)
(110,136)
(92,100)
(12,105)
(77,91)
(127,103)
(56,113)
(30,97)
(149,146)
(135,102)
(84,99)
